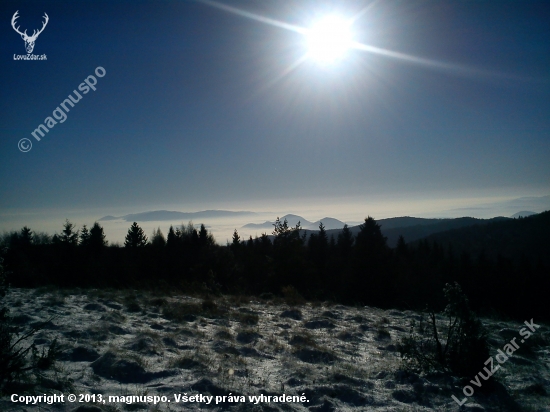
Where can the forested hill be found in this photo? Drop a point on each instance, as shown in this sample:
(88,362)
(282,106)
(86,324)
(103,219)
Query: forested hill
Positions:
(513,239)
(414,228)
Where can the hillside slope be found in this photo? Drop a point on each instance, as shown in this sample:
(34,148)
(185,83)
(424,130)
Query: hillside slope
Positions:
(512,238)
(340,358)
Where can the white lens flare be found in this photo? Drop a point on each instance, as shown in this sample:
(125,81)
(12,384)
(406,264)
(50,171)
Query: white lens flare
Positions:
(329,39)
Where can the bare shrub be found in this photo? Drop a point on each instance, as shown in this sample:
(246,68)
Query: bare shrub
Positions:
(458,345)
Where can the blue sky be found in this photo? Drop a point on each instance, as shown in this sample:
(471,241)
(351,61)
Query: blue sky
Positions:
(194,111)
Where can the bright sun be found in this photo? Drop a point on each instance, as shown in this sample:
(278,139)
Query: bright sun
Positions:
(329,39)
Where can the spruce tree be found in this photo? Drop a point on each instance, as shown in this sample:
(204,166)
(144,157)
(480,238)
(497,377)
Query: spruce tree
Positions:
(323,239)
(158,240)
(172,238)
(345,242)
(401,249)
(236,238)
(236,242)
(370,238)
(205,239)
(68,235)
(372,276)
(84,237)
(97,237)
(135,237)
(26,238)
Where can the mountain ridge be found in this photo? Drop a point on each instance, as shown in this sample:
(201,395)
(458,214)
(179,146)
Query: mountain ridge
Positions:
(162,215)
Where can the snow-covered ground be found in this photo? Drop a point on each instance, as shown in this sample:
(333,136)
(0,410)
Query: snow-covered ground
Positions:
(339,358)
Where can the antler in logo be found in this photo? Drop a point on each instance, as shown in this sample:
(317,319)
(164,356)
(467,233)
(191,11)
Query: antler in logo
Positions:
(29,40)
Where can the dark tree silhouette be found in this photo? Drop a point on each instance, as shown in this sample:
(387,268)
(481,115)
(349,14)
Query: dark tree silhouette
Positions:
(135,237)
(288,253)
(370,239)
(26,237)
(371,272)
(84,237)
(172,238)
(317,250)
(97,237)
(323,238)
(345,242)
(236,240)
(235,243)
(205,239)
(401,248)
(158,240)
(68,235)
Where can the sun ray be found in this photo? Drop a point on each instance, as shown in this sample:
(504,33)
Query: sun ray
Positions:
(362,12)
(257,17)
(268,85)
(435,64)
(287,71)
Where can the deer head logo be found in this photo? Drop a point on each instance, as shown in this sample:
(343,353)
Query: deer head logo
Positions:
(29,40)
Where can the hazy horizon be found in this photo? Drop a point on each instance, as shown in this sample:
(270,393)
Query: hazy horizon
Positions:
(222,228)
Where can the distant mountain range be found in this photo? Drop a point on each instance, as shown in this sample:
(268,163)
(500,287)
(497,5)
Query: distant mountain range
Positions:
(411,228)
(292,220)
(523,214)
(160,215)
(506,207)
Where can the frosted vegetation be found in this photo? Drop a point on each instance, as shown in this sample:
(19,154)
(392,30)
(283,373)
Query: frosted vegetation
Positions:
(340,357)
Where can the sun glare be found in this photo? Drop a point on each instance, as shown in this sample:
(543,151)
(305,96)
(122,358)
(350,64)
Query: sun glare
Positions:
(329,39)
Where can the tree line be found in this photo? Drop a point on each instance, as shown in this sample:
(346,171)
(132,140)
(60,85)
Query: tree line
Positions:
(351,269)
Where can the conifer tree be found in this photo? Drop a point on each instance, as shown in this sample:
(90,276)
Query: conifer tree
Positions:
(84,237)
(97,237)
(370,238)
(68,235)
(158,240)
(401,248)
(205,239)
(172,238)
(236,242)
(372,276)
(345,242)
(236,238)
(26,238)
(323,238)
(135,237)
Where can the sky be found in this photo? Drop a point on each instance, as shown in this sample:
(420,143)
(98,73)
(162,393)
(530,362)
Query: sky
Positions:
(439,105)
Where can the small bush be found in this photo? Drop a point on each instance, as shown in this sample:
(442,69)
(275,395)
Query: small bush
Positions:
(250,319)
(46,359)
(459,346)
(178,311)
(292,313)
(303,339)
